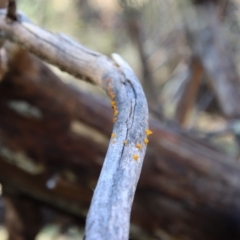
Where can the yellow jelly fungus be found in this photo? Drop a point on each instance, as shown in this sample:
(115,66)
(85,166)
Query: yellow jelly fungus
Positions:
(115,113)
(125,142)
(146,141)
(113,135)
(113,104)
(135,157)
(139,146)
(148,132)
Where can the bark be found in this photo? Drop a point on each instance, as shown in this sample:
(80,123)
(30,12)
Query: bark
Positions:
(188,188)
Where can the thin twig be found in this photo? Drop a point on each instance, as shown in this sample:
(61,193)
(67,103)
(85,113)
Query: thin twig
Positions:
(189,95)
(209,44)
(12,10)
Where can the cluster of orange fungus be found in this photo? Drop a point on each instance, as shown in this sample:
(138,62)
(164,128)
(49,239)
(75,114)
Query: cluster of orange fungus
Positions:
(139,145)
(148,132)
(113,135)
(135,157)
(113,104)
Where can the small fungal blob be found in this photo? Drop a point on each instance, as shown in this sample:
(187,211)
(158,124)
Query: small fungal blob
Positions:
(113,104)
(146,141)
(135,157)
(113,135)
(148,132)
(125,142)
(115,113)
(139,146)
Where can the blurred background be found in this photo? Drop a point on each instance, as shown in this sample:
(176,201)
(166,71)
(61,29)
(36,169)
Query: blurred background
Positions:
(185,53)
(153,37)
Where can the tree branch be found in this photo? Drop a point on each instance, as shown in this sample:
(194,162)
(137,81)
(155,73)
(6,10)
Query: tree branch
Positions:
(109,213)
(209,44)
(11,10)
(189,94)
(110,209)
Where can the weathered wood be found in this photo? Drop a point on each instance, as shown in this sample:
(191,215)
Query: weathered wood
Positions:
(188,189)
(114,193)
(109,214)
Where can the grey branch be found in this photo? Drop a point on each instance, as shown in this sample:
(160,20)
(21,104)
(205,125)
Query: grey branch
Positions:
(109,213)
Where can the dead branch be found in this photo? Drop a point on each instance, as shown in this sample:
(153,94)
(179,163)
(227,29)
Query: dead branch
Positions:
(122,164)
(189,95)
(110,209)
(208,42)
(12,10)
